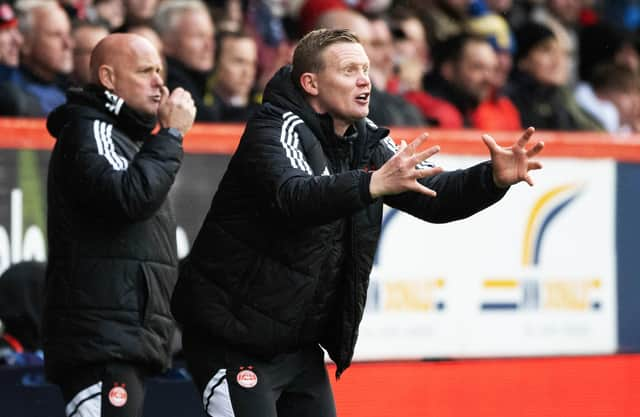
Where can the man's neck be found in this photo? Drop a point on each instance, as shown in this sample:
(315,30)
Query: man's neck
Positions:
(340,127)
(230,98)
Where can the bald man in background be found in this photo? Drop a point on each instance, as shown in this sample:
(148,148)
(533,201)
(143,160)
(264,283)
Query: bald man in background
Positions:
(112,248)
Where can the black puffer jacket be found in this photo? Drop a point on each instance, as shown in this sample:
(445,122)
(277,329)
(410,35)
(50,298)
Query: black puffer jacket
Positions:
(112,249)
(284,255)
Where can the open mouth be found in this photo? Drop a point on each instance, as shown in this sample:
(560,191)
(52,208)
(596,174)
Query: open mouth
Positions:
(363,98)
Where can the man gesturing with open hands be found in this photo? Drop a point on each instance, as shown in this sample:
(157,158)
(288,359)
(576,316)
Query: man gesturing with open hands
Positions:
(281,265)
(399,174)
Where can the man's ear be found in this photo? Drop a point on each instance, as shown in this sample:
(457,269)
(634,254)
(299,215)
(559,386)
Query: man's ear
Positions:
(106,77)
(309,83)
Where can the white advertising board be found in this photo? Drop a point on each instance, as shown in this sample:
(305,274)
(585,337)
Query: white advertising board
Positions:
(532,275)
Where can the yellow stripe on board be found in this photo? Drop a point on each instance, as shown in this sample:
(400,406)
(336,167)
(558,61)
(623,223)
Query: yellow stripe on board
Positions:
(500,283)
(527,252)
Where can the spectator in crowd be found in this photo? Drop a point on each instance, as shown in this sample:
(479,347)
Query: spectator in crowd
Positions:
(496,111)
(563,18)
(10,41)
(625,12)
(385,108)
(612,97)
(410,41)
(411,58)
(187,35)
(111,232)
(464,75)
(228,15)
(234,76)
(140,12)
(496,30)
(442,18)
(499,6)
(12,98)
(150,34)
(309,11)
(380,52)
(86,36)
(265,21)
(539,85)
(281,265)
(46,61)
(21,306)
(603,43)
(111,11)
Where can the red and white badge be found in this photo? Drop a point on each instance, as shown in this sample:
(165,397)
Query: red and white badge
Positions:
(118,396)
(247,378)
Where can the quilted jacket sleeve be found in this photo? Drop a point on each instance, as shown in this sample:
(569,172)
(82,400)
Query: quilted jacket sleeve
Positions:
(103,177)
(272,159)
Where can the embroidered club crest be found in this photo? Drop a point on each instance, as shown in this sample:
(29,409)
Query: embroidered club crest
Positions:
(247,378)
(118,396)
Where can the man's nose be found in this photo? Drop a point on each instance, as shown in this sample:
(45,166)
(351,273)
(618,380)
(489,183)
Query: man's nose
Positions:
(363,80)
(68,41)
(158,80)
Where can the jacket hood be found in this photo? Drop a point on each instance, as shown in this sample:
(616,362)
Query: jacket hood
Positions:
(282,92)
(93,101)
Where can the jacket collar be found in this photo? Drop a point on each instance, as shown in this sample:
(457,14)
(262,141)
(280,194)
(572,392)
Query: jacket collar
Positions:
(98,102)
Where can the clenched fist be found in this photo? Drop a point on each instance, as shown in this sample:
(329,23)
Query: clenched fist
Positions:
(176,110)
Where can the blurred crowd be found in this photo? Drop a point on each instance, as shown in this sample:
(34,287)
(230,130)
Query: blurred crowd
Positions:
(485,64)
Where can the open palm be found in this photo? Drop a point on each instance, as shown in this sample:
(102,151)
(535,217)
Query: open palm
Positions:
(512,164)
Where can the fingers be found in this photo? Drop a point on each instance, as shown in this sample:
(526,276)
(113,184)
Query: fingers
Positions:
(164,95)
(524,139)
(402,147)
(419,188)
(427,172)
(522,142)
(535,150)
(534,165)
(528,180)
(181,96)
(177,109)
(417,142)
(426,154)
(177,92)
(490,142)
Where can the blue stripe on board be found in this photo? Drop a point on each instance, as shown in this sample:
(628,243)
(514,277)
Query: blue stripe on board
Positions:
(499,306)
(628,274)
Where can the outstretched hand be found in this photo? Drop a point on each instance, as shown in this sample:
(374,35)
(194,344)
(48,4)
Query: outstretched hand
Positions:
(512,165)
(399,174)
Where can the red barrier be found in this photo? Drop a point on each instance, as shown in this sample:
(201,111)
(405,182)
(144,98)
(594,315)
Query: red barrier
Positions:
(223,138)
(602,386)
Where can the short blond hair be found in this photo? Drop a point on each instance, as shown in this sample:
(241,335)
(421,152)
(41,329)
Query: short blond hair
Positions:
(307,56)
